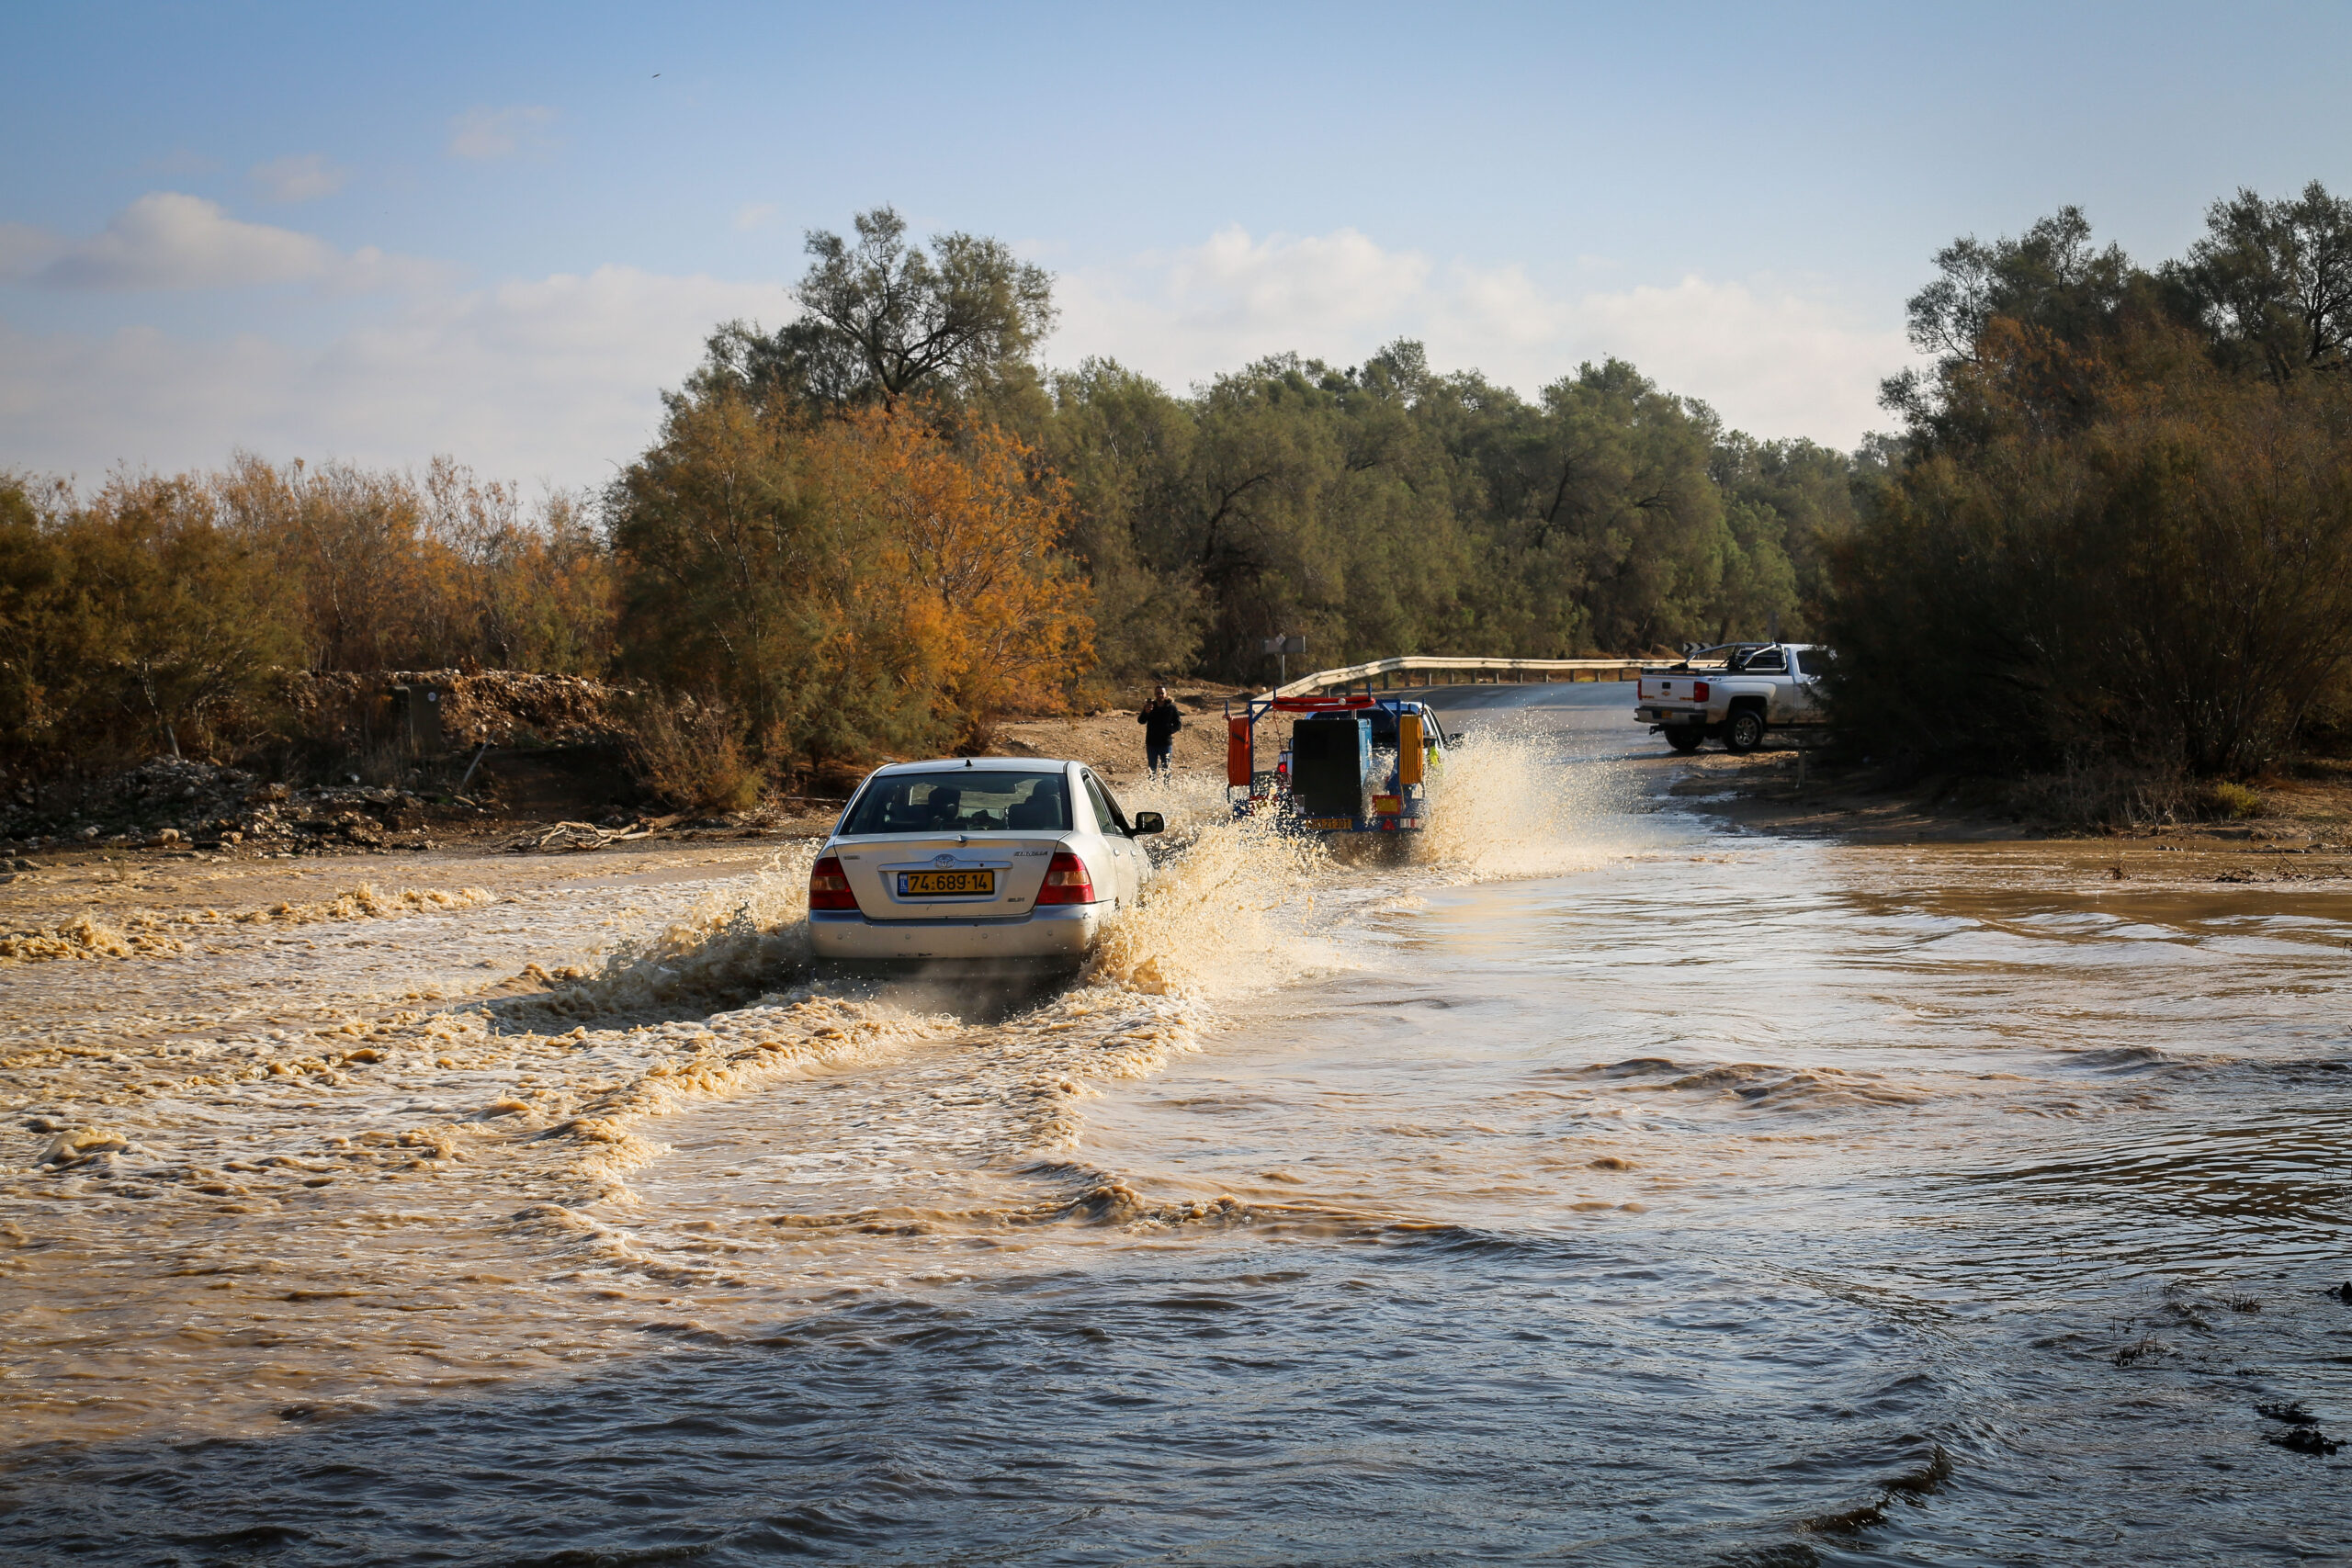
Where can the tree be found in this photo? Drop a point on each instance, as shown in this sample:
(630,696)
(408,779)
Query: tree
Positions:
(2031,304)
(46,660)
(884,321)
(845,584)
(970,571)
(530,592)
(2272,281)
(2120,529)
(1123,444)
(1803,495)
(374,583)
(136,621)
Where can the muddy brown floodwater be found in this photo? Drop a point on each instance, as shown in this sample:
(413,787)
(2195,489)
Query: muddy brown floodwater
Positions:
(1606,1183)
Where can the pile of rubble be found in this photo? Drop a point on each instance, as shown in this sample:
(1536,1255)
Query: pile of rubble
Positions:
(170,801)
(504,707)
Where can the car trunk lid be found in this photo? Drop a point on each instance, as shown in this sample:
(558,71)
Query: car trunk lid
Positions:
(936,876)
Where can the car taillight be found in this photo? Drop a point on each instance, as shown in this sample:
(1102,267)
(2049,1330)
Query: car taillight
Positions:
(829,886)
(1067,881)
(1698,691)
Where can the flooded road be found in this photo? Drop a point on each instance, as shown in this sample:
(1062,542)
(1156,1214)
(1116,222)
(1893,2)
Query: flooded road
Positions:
(1607,1186)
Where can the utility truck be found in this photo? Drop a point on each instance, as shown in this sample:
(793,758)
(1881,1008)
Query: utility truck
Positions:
(1736,691)
(1354,764)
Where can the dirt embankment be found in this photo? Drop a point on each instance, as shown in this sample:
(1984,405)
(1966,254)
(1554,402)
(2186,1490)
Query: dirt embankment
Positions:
(1110,741)
(2301,832)
(503,707)
(170,820)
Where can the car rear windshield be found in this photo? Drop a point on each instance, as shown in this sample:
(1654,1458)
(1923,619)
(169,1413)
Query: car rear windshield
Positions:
(965,800)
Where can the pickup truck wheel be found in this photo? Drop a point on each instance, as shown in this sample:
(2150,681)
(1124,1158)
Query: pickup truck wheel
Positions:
(1685,736)
(1744,732)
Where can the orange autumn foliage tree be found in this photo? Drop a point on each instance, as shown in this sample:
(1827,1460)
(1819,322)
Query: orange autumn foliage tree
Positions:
(845,586)
(971,570)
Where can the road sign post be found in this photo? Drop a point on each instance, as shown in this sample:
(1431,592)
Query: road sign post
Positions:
(1282,647)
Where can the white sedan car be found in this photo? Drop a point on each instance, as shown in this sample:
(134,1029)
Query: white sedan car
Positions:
(988,860)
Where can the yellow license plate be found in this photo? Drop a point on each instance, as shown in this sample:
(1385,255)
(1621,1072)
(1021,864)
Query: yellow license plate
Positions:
(930,883)
(1387,805)
(1332,824)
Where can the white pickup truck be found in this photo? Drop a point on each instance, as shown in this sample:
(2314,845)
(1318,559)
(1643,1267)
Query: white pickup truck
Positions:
(1736,691)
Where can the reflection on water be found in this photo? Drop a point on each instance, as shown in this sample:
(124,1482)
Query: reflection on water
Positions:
(1603,1186)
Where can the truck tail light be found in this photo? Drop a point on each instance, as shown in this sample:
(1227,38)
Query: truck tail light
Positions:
(1698,691)
(829,886)
(1067,881)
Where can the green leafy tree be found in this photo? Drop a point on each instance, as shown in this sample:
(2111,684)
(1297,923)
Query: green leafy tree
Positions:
(1123,444)
(2029,304)
(884,320)
(2272,281)
(2119,530)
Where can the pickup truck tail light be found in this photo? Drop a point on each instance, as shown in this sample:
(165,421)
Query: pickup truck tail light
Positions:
(829,886)
(1067,881)
(1698,691)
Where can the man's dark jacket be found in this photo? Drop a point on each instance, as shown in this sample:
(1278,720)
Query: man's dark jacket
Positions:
(1161,722)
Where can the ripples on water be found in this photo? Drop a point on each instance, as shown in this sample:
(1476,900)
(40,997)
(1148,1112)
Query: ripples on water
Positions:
(1604,1187)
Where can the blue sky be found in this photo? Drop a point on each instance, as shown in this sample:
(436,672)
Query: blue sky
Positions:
(496,232)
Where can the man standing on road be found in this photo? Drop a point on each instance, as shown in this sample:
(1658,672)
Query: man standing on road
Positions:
(1161,722)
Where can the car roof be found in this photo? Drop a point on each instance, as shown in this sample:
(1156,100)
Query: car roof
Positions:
(977,765)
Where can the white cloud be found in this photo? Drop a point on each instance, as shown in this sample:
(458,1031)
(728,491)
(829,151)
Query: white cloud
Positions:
(167,241)
(304,177)
(1774,362)
(1318,286)
(756,215)
(500,133)
(556,378)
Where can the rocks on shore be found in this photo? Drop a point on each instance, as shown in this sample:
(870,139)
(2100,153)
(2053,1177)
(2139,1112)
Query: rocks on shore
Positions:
(173,803)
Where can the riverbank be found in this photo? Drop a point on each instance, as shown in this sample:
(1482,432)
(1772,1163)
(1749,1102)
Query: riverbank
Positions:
(2303,831)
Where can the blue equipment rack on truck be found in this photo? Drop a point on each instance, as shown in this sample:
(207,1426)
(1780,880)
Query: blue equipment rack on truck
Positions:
(1356,764)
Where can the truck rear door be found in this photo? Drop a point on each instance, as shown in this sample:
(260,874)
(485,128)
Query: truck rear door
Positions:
(1769,666)
(1806,668)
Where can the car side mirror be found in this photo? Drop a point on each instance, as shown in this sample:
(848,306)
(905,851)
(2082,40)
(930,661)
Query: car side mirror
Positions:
(1147,822)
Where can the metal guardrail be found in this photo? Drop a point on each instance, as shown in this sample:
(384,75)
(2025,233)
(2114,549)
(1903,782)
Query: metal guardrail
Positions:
(1394,674)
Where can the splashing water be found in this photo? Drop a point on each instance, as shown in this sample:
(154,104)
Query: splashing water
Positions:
(1507,803)
(1227,913)
(737,940)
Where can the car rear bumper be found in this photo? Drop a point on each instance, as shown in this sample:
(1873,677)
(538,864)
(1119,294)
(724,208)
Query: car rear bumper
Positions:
(1651,714)
(1057,935)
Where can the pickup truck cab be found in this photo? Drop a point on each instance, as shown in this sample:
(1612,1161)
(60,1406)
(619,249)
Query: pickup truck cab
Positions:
(1736,693)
